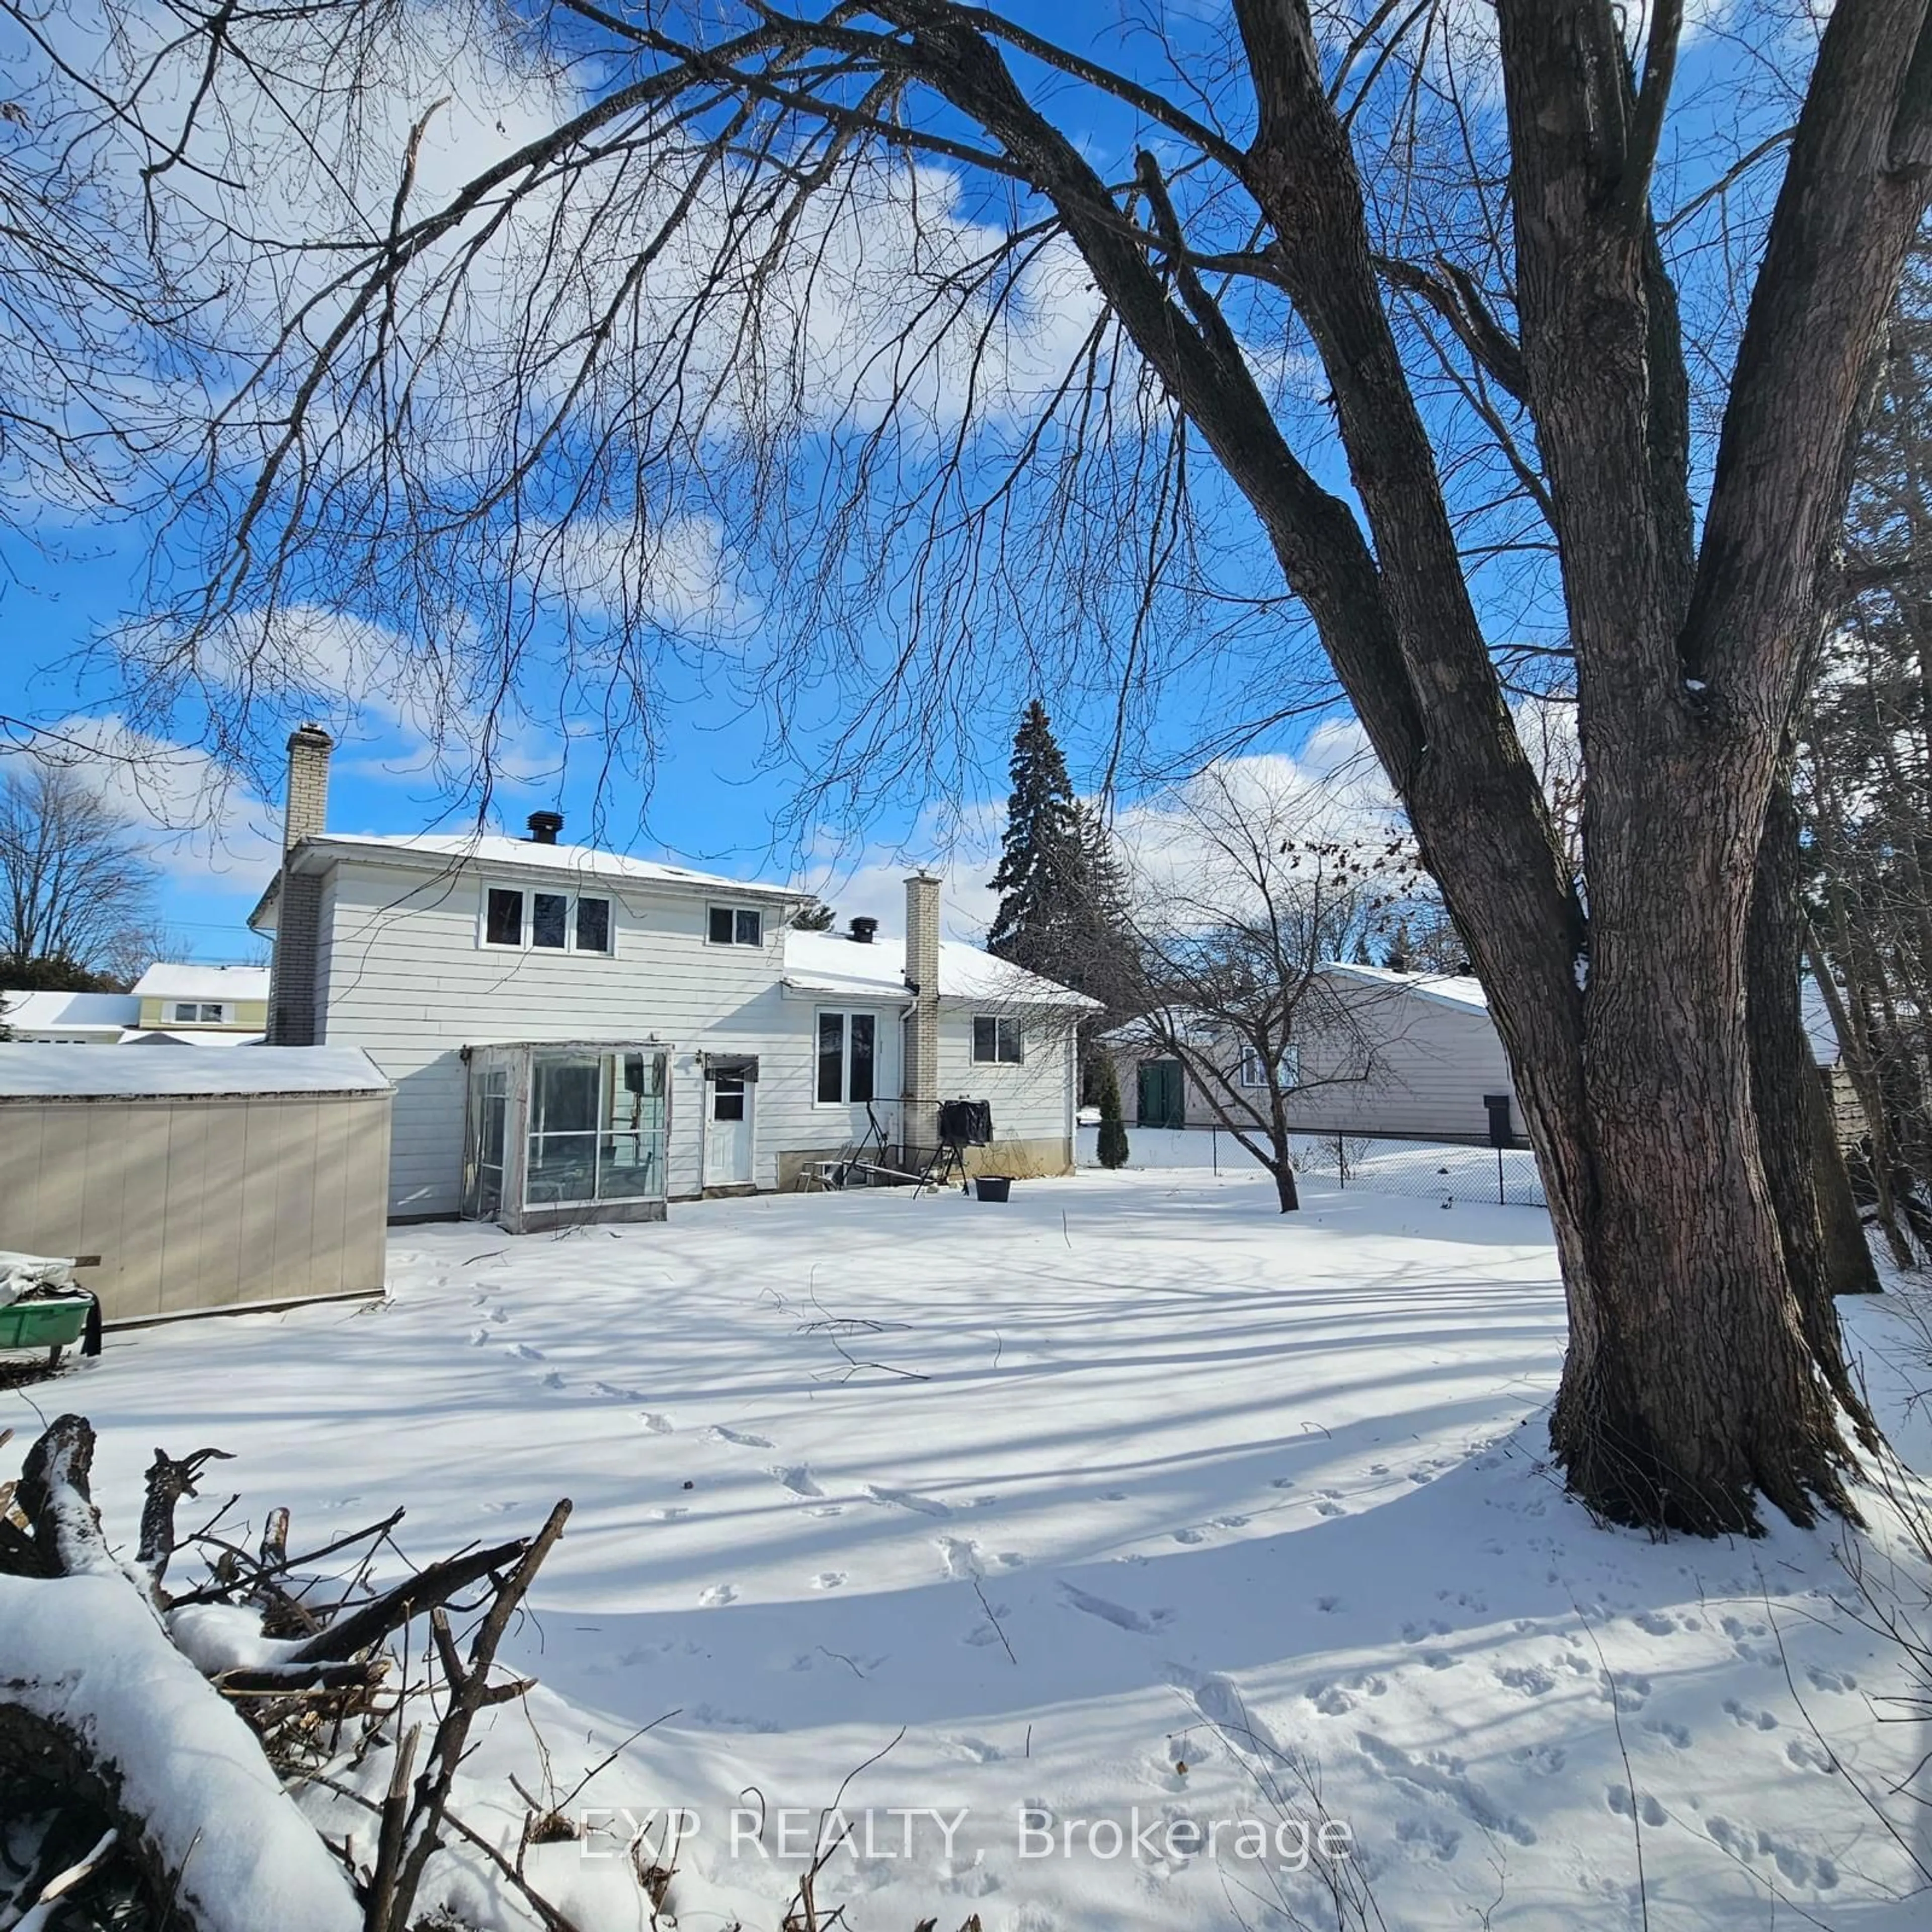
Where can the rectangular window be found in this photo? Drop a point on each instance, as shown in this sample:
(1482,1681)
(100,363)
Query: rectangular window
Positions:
(831,1057)
(848,1058)
(1254,1069)
(859,1087)
(186,1009)
(997,1040)
(190,1012)
(593,926)
(735,925)
(557,921)
(727,1098)
(503,917)
(550,920)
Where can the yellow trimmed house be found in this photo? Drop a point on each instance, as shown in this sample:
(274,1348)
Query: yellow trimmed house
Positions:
(209,1006)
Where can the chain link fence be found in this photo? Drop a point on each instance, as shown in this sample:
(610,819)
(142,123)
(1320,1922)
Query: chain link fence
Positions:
(1421,1170)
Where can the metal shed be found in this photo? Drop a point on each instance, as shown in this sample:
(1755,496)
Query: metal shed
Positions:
(181,1182)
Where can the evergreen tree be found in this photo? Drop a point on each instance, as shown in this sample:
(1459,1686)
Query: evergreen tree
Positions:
(1399,957)
(815,916)
(1042,878)
(1113,1139)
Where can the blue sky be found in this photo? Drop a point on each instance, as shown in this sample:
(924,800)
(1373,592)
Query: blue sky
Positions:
(719,797)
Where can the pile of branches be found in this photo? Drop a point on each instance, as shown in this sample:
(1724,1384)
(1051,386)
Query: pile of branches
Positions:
(317,1664)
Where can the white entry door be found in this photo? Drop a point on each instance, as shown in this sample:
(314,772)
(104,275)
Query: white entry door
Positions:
(728,1105)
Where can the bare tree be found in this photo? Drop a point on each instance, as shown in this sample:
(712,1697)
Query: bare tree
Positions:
(75,892)
(517,412)
(1235,913)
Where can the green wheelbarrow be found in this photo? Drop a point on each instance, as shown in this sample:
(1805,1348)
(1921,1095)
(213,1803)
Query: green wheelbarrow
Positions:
(52,1323)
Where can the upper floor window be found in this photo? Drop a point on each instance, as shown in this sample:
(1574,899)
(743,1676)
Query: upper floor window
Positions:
(1254,1068)
(998,1040)
(546,921)
(737,925)
(195,1013)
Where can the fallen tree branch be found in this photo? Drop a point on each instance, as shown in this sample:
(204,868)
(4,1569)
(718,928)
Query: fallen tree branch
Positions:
(370,1623)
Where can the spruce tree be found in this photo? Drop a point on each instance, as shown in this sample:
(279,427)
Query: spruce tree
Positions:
(1042,876)
(1112,1148)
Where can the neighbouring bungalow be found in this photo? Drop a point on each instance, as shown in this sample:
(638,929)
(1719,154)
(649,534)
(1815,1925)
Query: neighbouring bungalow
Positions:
(174,1002)
(1411,1056)
(575,1034)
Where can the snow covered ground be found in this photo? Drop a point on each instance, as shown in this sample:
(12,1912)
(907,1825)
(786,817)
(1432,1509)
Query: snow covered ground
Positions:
(1132,1503)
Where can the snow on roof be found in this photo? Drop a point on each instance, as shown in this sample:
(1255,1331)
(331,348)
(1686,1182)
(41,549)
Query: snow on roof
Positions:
(44,1072)
(1449,989)
(193,1036)
(443,850)
(69,1012)
(829,962)
(185,979)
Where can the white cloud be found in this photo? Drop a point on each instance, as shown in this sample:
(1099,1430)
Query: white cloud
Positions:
(190,815)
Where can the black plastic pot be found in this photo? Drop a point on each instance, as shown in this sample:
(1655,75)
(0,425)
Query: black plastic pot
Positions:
(993,1186)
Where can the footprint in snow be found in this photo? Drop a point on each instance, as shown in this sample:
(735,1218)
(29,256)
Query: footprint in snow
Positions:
(1113,1495)
(527,1353)
(1327,1508)
(961,1555)
(797,1478)
(670,1513)
(718,1596)
(1617,1798)
(1141,1624)
(658,1425)
(1282,1482)
(616,1394)
(554,1380)
(481,1339)
(1229,1522)
(1672,1734)
(1747,1719)
(1188,1536)
(742,1437)
(907,1499)
(828,1579)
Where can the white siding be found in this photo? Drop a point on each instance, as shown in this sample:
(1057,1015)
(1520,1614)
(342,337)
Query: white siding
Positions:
(1033,1101)
(1408,1066)
(407,982)
(1433,1062)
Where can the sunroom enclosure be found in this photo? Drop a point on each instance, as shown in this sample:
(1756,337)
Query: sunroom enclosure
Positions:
(563,1131)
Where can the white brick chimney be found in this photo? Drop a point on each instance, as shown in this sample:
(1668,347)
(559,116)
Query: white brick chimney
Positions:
(920,1087)
(293,1020)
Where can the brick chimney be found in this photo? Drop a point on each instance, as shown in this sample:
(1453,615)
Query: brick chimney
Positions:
(293,1018)
(920,1087)
(305,814)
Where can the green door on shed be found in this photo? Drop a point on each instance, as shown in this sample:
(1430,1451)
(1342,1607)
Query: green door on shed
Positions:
(1161,1102)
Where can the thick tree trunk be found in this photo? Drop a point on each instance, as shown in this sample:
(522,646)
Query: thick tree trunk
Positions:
(1690,1385)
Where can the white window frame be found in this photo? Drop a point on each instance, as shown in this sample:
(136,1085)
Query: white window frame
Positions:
(737,912)
(526,921)
(1288,1067)
(999,1023)
(848,1014)
(198,1013)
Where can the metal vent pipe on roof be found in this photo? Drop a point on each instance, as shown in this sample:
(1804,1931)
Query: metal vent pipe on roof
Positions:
(544,826)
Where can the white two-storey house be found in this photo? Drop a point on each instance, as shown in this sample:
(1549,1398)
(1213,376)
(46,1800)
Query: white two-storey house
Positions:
(575,1034)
